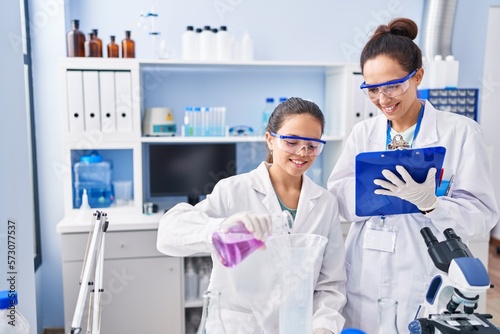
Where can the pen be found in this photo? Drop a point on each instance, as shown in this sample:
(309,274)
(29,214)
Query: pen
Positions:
(449,185)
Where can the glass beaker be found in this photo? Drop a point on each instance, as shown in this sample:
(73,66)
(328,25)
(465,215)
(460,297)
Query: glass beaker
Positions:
(211,321)
(298,257)
(236,243)
(387,316)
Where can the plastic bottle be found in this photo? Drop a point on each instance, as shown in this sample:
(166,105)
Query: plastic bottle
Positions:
(224,44)
(203,282)
(266,113)
(207,44)
(75,41)
(98,41)
(189,44)
(387,316)
(437,77)
(128,46)
(191,281)
(94,175)
(11,321)
(113,48)
(246,47)
(452,67)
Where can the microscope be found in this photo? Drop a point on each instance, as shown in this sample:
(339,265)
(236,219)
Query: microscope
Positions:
(452,295)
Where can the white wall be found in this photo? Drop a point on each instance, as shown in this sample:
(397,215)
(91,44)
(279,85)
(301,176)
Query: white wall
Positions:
(314,30)
(16,189)
(490,96)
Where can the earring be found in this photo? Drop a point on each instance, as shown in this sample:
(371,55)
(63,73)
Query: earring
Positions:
(271,152)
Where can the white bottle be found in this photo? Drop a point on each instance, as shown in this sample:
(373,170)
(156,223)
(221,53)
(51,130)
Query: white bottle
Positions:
(207,44)
(246,48)
(85,201)
(190,282)
(203,283)
(438,74)
(11,321)
(224,44)
(189,44)
(452,67)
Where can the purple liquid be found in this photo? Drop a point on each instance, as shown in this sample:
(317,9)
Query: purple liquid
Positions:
(235,245)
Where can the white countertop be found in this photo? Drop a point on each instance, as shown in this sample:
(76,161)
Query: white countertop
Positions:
(119,220)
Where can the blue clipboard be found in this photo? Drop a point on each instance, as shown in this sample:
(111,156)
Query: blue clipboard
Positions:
(369,166)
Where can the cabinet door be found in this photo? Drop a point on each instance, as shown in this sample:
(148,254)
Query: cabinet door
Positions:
(141,295)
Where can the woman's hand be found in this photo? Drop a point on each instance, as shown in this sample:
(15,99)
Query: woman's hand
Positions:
(258,224)
(423,195)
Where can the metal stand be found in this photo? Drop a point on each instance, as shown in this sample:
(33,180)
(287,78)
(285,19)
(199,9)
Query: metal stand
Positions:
(91,277)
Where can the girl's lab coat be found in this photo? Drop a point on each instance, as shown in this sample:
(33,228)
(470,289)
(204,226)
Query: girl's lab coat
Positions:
(249,291)
(471,211)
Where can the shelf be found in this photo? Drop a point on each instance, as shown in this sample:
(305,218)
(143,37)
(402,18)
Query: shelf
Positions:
(229,139)
(193,303)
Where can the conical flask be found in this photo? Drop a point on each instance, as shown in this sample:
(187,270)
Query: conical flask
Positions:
(387,316)
(211,320)
(236,243)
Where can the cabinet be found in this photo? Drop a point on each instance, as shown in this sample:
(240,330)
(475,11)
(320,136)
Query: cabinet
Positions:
(103,102)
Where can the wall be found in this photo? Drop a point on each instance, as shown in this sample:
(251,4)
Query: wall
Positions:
(16,190)
(314,30)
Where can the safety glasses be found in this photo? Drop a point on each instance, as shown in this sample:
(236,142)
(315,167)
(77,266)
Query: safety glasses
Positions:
(390,89)
(295,144)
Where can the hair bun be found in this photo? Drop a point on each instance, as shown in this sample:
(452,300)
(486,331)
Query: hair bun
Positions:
(403,27)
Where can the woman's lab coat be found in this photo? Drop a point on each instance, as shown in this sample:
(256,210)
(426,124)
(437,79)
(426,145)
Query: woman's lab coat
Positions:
(249,291)
(471,211)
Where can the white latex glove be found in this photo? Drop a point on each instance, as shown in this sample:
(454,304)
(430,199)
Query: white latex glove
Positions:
(322,331)
(423,195)
(258,224)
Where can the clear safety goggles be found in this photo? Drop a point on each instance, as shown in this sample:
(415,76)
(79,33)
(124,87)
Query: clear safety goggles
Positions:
(390,89)
(295,144)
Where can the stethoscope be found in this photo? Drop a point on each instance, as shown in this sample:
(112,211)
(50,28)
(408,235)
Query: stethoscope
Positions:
(398,143)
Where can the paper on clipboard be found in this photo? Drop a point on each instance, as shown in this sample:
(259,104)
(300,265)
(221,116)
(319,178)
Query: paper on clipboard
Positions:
(369,166)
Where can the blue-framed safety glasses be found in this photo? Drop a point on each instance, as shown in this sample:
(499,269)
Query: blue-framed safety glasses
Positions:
(390,89)
(295,144)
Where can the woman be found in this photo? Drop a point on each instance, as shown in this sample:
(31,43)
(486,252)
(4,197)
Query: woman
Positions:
(391,64)
(249,302)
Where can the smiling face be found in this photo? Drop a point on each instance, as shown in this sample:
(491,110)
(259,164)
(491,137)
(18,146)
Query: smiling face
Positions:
(402,110)
(284,163)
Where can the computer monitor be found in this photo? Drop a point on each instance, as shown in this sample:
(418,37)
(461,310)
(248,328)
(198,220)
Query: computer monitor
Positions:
(186,169)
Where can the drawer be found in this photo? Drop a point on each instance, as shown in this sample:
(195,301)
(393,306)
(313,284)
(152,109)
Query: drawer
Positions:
(123,244)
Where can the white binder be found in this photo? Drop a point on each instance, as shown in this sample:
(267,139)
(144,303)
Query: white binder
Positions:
(75,101)
(108,101)
(91,101)
(123,89)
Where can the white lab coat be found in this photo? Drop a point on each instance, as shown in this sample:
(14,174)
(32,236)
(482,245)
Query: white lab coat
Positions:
(471,211)
(249,294)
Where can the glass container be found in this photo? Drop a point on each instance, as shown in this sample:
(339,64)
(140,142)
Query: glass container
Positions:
(75,41)
(91,46)
(128,46)
(113,48)
(99,43)
(211,320)
(387,316)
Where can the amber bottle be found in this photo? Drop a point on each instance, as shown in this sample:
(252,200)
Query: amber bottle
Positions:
(128,46)
(91,46)
(113,49)
(75,41)
(99,43)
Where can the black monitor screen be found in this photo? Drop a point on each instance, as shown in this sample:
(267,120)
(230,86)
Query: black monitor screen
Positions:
(189,169)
